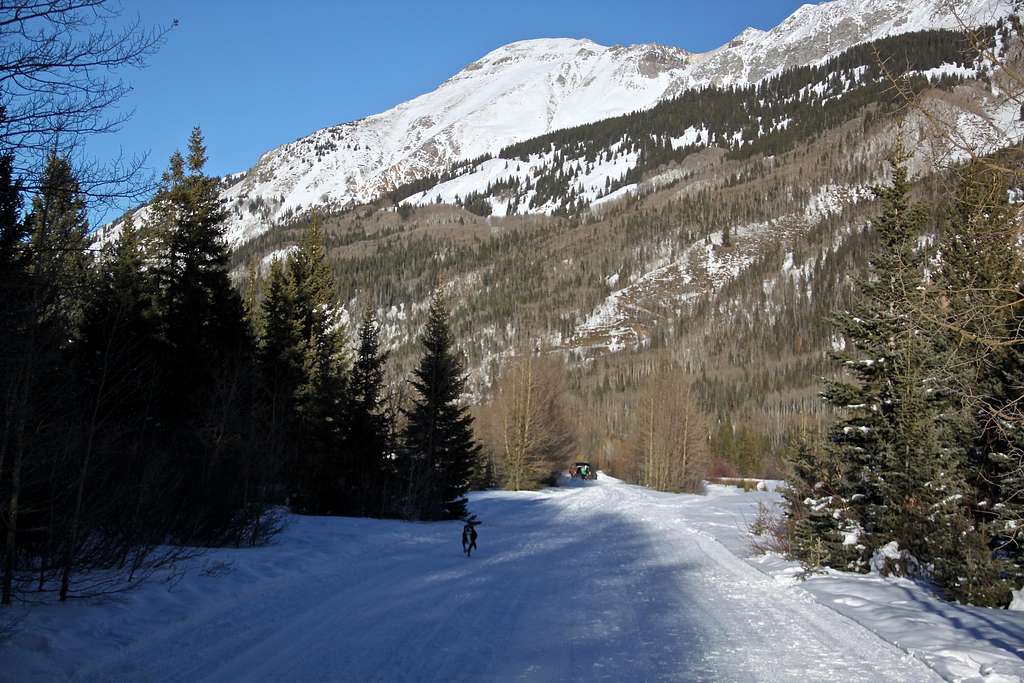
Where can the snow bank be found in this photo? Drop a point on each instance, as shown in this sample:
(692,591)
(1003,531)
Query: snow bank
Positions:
(959,642)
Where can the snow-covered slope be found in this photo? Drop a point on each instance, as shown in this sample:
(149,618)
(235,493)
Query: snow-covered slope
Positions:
(527,88)
(595,581)
(514,93)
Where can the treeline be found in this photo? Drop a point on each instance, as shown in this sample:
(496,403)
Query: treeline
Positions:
(769,118)
(923,475)
(549,295)
(125,377)
(148,409)
(727,110)
(754,347)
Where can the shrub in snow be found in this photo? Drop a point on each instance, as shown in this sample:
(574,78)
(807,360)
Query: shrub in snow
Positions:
(771,531)
(889,560)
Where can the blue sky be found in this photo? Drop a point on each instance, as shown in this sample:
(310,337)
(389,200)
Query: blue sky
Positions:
(257,74)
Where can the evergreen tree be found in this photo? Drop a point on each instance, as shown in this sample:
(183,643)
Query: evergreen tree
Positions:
(368,442)
(14,268)
(59,237)
(901,474)
(810,487)
(979,284)
(112,362)
(45,275)
(303,365)
(321,396)
(280,359)
(15,320)
(207,355)
(13,231)
(438,448)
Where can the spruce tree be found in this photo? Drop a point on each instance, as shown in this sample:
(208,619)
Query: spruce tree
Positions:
(439,450)
(112,363)
(13,231)
(59,228)
(321,396)
(206,360)
(900,475)
(979,285)
(15,321)
(280,359)
(368,442)
(46,255)
(812,482)
(14,269)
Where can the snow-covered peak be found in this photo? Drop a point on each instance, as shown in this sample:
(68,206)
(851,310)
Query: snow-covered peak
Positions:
(816,32)
(536,49)
(516,92)
(748,34)
(531,87)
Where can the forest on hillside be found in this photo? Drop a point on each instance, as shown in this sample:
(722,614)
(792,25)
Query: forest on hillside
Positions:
(754,347)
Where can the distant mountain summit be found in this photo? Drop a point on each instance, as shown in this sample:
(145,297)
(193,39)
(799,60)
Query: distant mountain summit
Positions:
(531,87)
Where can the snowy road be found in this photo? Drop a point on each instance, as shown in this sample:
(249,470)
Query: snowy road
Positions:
(599,582)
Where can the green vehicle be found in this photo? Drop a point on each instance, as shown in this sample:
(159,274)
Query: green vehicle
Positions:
(583,470)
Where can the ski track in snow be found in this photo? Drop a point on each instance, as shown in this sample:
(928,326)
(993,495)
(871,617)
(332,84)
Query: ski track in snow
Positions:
(595,582)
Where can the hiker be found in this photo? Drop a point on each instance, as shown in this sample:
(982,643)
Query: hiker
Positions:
(469,538)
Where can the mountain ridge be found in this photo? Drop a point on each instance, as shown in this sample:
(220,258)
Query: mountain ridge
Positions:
(531,87)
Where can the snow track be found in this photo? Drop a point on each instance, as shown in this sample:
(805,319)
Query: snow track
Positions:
(593,582)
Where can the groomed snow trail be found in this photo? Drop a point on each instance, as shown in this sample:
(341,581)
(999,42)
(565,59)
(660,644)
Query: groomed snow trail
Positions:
(594,582)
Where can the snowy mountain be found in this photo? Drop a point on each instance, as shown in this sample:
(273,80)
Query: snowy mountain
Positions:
(528,88)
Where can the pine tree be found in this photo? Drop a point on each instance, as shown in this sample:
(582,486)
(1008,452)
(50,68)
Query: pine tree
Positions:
(112,363)
(15,259)
(13,232)
(438,448)
(59,236)
(15,320)
(321,397)
(280,358)
(207,356)
(810,486)
(901,474)
(979,286)
(45,273)
(368,442)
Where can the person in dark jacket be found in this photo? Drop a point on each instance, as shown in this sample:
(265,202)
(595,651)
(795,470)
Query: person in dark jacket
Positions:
(469,538)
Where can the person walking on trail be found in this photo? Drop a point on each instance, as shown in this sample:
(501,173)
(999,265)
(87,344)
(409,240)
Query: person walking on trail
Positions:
(469,538)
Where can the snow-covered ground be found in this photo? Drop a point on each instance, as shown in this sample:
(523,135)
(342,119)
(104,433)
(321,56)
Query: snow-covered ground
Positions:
(592,582)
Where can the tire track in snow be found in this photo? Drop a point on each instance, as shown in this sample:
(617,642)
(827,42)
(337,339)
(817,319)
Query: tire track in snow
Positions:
(601,581)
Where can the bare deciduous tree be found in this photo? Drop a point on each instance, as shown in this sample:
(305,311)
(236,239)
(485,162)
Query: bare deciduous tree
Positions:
(60,62)
(527,428)
(670,435)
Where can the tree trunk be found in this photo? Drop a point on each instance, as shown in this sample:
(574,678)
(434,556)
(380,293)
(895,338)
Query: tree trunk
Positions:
(11,548)
(76,516)
(685,475)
